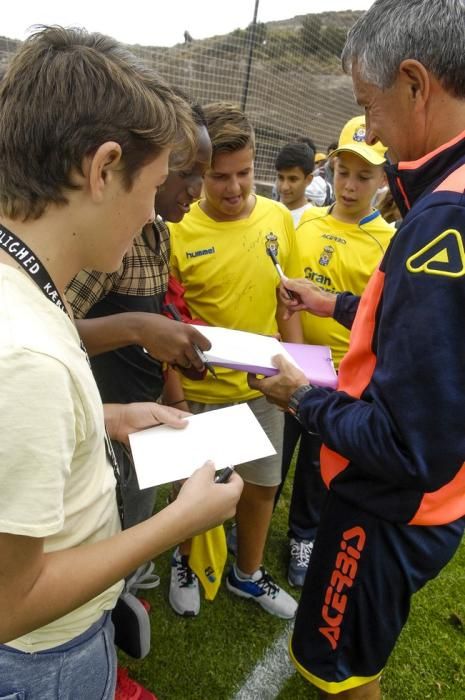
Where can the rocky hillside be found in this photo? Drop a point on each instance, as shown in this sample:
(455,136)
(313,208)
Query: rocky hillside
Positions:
(286,73)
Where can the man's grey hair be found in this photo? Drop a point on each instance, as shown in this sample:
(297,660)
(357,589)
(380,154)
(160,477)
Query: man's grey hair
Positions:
(430,31)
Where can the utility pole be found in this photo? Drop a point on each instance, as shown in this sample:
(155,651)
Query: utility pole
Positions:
(252,33)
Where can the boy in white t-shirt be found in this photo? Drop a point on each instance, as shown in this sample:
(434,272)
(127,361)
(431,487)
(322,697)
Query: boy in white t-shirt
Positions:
(85,136)
(294,167)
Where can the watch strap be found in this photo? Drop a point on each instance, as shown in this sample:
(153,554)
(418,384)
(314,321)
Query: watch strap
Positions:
(296,397)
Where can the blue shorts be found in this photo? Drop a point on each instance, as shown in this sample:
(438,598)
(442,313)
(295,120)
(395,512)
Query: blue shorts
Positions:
(82,669)
(356,597)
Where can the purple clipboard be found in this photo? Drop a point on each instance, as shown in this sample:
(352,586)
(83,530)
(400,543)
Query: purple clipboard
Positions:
(251,352)
(315,362)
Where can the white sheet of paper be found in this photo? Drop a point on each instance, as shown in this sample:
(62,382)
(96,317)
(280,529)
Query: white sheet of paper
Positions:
(242,348)
(227,436)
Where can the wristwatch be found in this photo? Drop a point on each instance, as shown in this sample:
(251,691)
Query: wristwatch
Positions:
(296,398)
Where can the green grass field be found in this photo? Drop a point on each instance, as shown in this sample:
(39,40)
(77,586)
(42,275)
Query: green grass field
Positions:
(209,657)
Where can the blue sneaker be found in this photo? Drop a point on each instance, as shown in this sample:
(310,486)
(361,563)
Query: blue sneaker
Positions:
(261,588)
(300,553)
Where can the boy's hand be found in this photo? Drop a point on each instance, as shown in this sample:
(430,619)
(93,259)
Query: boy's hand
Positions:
(206,504)
(308,297)
(123,419)
(172,342)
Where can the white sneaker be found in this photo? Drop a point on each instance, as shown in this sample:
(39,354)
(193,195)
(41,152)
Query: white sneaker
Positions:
(184,594)
(261,588)
(143,578)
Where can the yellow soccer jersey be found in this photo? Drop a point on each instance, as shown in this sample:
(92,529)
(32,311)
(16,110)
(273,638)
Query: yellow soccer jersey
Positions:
(231,281)
(338,257)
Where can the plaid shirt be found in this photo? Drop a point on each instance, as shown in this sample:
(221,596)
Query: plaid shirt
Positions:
(143,272)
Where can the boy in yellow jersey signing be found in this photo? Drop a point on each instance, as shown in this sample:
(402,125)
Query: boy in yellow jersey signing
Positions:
(340,247)
(220,254)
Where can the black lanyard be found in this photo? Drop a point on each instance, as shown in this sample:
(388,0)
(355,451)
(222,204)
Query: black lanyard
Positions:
(31,264)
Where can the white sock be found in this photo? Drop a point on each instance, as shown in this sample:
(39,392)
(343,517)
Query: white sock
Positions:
(247,577)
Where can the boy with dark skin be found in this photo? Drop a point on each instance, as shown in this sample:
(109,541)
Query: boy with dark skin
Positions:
(118,339)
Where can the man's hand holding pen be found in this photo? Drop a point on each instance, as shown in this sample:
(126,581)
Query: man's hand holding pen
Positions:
(307,296)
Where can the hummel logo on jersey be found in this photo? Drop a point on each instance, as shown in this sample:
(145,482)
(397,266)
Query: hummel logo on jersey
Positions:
(198,253)
(444,256)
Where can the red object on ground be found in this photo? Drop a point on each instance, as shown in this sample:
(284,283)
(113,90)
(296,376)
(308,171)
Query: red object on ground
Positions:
(129,689)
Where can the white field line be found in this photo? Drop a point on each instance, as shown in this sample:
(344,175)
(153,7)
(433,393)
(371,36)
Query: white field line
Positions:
(271,673)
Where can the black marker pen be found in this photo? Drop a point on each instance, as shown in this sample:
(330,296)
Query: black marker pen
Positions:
(224,475)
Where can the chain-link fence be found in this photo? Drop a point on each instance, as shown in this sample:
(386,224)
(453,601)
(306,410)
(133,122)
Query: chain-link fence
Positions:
(286,74)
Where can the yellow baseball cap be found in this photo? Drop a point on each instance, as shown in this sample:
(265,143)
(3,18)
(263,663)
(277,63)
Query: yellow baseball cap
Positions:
(319,156)
(352,140)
